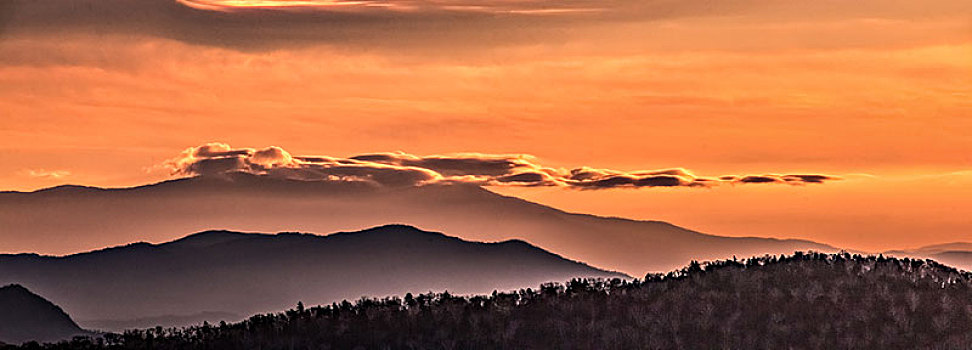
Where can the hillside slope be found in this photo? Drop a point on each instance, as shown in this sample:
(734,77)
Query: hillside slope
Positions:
(25,316)
(805,301)
(957,254)
(223,272)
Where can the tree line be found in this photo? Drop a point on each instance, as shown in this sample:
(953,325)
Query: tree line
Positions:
(802,301)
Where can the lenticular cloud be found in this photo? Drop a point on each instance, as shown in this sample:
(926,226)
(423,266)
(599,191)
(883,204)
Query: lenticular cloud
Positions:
(398,169)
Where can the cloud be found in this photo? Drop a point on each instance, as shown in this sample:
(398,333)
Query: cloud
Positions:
(529,7)
(47,174)
(219,158)
(274,24)
(477,164)
(399,169)
(774,178)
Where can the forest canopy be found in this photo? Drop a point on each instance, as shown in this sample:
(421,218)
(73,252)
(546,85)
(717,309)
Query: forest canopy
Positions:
(802,301)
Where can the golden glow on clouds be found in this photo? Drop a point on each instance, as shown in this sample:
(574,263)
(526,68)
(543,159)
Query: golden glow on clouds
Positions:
(399,169)
(47,174)
(872,213)
(227,5)
(882,88)
(496,7)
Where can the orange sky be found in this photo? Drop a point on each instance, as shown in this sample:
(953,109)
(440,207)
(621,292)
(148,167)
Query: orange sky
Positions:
(881,88)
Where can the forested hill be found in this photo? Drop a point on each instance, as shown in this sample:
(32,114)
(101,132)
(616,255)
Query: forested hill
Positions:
(25,316)
(804,301)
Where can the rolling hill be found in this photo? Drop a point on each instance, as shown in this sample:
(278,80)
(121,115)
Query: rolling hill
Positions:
(69,219)
(958,254)
(25,316)
(217,274)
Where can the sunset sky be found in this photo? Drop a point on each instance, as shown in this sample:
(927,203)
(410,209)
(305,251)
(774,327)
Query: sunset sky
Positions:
(876,94)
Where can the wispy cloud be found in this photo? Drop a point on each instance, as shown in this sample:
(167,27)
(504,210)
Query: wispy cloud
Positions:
(398,169)
(48,174)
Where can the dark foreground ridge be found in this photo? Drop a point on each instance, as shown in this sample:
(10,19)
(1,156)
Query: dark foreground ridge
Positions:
(26,316)
(804,301)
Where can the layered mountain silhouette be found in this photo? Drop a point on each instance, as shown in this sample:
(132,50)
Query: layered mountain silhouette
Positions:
(219,272)
(68,219)
(958,254)
(164,321)
(25,316)
(802,301)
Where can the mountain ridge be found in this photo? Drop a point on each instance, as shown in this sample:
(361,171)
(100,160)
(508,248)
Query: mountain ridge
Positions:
(957,254)
(804,300)
(245,202)
(29,317)
(190,241)
(252,273)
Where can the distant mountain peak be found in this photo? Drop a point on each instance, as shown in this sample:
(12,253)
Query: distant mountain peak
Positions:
(392,230)
(399,229)
(394,227)
(212,237)
(516,241)
(951,246)
(521,244)
(247,273)
(208,238)
(68,189)
(246,202)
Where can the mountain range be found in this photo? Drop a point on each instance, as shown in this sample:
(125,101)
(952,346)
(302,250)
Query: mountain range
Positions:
(957,254)
(226,275)
(69,219)
(213,275)
(802,301)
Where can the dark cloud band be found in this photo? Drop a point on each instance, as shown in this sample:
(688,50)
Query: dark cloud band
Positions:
(258,25)
(404,170)
(291,24)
